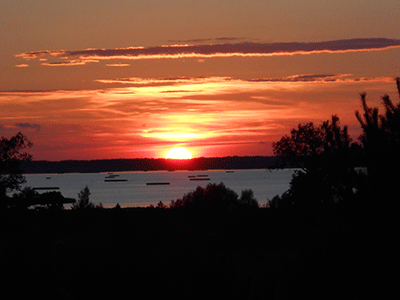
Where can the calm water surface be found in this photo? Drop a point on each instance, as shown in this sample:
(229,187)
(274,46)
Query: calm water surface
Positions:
(134,191)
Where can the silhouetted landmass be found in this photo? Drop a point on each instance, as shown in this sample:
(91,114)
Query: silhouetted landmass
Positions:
(148,164)
(158,253)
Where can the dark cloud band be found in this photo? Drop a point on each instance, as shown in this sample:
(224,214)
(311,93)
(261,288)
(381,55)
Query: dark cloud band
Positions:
(28,125)
(214,50)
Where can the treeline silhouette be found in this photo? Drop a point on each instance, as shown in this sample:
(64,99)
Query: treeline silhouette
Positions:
(148,164)
(328,159)
(214,198)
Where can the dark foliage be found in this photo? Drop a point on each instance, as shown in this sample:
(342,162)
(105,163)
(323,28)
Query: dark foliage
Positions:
(215,197)
(381,143)
(83,200)
(247,199)
(326,157)
(11,176)
(30,198)
(309,147)
(328,160)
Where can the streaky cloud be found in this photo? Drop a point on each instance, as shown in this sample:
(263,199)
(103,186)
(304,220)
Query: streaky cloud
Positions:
(28,126)
(42,53)
(323,78)
(245,49)
(182,80)
(175,92)
(73,62)
(163,80)
(218,39)
(22,66)
(118,65)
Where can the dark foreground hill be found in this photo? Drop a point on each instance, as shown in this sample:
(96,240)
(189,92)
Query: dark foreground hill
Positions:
(150,253)
(148,164)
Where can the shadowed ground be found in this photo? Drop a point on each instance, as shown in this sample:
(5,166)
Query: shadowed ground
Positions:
(149,253)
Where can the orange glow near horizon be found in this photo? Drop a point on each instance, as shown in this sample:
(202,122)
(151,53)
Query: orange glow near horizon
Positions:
(210,116)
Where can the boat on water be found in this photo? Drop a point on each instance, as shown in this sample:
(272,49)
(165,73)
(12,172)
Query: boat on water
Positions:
(112,176)
(115,180)
(157,183)
(199,179)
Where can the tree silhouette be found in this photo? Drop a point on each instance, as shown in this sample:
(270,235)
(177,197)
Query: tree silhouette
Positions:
(325,155)
(11,176)
(247,199)
(24,198)
(381,143)
(83,200)
(161,205)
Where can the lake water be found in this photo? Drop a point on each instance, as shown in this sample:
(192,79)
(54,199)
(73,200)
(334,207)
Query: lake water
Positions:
(133,191)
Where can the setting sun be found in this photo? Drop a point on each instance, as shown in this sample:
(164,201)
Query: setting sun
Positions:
(178,153)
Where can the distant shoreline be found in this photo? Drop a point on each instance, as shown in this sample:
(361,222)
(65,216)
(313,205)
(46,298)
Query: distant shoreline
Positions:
(149,164)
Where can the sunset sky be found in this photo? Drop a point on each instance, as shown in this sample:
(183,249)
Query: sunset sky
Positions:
(96,79)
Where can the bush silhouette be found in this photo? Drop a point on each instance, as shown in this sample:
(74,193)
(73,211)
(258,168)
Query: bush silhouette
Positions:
(247,199)
(215,197)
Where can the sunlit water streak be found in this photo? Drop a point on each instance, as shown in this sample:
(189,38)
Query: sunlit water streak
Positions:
(134,191)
